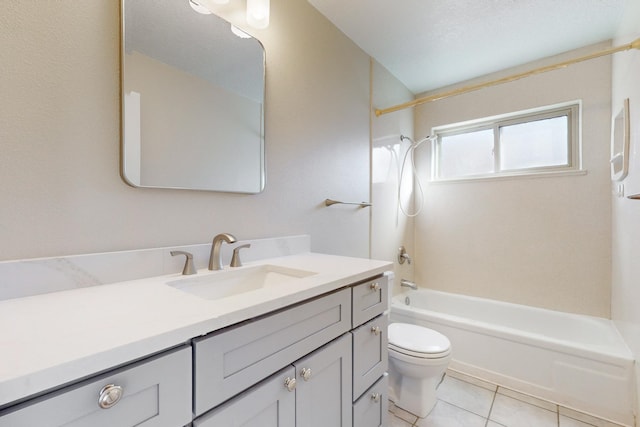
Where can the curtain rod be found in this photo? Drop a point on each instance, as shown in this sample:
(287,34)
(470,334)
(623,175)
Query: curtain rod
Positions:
(633,45)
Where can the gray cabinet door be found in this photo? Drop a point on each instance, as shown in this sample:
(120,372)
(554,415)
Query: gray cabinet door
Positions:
(370,358)
(268,404)
(323,392)
(371,409)
(155,393)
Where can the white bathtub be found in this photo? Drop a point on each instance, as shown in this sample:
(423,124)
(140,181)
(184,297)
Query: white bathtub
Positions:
(579,362)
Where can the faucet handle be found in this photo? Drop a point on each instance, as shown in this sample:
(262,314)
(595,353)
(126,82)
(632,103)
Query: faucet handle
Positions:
(235,258)
(403,256)
(188,263)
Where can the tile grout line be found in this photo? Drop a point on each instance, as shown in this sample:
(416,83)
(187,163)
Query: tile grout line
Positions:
(488,419)
(495,393)
(467,410)
(415,424)
(462,376)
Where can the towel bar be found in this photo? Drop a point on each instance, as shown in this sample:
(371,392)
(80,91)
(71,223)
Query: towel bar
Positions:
(329,202)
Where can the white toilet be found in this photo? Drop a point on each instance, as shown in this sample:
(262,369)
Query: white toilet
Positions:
(418,359)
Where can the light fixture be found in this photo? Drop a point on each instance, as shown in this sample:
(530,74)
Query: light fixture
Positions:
(199,8)
(238,32)
(258,13)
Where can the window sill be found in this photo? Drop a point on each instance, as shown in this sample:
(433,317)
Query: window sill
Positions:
(504,176)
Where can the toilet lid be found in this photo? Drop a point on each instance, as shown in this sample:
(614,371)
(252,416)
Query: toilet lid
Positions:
(417,339)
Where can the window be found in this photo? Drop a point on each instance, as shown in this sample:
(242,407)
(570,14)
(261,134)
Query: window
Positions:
(529,142)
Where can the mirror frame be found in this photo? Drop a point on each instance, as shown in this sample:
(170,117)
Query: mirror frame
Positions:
(123,157)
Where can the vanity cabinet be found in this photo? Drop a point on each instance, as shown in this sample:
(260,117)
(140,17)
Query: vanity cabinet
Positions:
(318,363)
(150,393)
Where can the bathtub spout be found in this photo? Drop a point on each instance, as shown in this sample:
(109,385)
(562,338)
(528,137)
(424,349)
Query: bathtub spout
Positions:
(407,284)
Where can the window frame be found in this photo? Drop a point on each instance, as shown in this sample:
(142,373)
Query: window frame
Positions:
(572,110)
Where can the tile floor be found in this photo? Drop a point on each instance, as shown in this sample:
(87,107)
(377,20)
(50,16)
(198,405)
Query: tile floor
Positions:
(468,402)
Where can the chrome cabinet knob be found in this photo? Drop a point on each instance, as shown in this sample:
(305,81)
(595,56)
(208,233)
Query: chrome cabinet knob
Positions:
(290,383)
(376,330)
(376,397)
(375,286)
(306,373)
(109,396)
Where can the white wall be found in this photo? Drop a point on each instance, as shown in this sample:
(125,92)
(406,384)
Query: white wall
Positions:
(538,241)
(60,188)
(626,213)
(390,229)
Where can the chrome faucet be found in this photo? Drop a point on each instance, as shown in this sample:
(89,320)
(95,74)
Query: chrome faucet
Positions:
(215,259)
(407,284)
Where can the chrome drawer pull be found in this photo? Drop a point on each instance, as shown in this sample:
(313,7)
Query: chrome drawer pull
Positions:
(306,373)
(375,397)
(290,383)
(375,286)
(376,330)
(110,395)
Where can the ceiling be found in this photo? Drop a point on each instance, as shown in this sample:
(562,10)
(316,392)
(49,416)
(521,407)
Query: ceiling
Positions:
(429,44)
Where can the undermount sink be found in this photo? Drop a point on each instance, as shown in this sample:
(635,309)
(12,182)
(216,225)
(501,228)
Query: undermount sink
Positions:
(226,283)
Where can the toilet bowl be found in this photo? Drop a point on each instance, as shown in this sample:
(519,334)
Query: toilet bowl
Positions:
(418,359)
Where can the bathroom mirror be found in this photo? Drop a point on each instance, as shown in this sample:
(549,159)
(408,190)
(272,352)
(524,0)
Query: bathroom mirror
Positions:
(192,100)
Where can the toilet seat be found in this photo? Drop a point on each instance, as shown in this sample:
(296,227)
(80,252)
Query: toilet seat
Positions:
(418,341)
(418,355)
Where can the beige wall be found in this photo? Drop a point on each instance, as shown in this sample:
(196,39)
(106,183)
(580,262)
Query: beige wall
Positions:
(626,213)
(60,130)
(538,241)
(390,229)
(544,242)
(221,153)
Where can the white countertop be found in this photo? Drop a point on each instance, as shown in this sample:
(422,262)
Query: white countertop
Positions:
(52,339)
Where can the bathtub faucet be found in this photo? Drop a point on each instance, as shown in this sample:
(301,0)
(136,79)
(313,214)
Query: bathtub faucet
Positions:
(407,284)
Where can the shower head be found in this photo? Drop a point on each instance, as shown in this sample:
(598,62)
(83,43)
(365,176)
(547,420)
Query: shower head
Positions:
(426,138)
(402,138)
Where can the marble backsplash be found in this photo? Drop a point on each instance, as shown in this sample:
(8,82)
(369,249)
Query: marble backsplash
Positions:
(23,278)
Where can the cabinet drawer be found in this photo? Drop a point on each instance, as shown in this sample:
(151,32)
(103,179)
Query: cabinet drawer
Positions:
(371,409)
(156,392)
(269,403)
(369,354)
(232,360)
(369,299)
